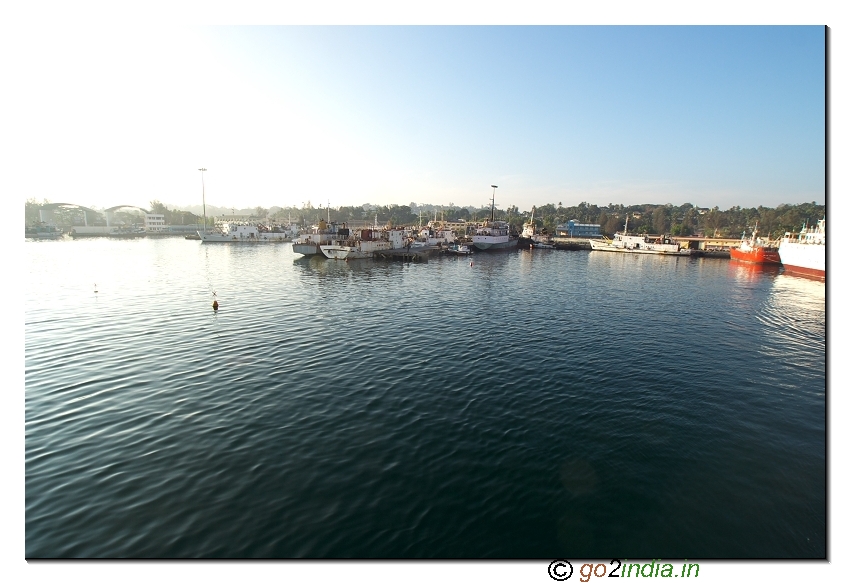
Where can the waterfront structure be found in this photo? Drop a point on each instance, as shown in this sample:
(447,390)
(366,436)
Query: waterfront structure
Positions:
(579,230)
(154,222)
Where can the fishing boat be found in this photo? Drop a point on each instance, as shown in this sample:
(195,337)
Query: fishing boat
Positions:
(754,249)
(625,243)
(364,244)
(494,235)
(805,252)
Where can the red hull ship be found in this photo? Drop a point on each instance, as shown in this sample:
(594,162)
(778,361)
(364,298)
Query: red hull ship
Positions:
(754,250)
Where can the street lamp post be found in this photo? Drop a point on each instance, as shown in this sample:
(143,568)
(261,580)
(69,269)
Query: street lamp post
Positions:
(204,198)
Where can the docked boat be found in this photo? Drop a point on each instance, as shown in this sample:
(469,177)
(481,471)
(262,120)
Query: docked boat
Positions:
(126,233)
(433,236)
(494,235)
(755,249)
(532,237)
(325,233)
(364,244)
(243,232)
(625,243)
(458,249)
(805,252)
(44,232)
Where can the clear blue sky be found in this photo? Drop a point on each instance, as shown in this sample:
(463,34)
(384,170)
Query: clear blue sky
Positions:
(281,115)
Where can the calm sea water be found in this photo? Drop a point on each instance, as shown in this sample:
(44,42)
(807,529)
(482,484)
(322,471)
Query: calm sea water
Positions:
(525,404)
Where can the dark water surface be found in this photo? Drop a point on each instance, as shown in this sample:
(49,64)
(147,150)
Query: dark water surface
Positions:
(532,404)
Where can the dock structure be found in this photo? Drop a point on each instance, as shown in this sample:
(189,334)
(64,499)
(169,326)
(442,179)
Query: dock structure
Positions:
(409,254)
(571,243)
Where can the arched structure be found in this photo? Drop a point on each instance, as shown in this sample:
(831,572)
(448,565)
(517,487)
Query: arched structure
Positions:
(45,211)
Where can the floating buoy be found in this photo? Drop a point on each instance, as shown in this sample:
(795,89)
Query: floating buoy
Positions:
(95,288)
(215,305)
(470,263)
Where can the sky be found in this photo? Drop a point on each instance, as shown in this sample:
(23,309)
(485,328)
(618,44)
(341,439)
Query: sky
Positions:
(347,115)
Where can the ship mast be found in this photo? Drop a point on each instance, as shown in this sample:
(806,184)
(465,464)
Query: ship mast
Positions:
(493,204)
(204,198)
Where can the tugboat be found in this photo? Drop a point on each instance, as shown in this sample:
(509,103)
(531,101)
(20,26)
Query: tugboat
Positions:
(755,250)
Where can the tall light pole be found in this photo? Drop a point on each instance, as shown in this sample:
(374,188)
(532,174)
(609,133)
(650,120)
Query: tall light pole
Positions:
(204,198)
(493,204)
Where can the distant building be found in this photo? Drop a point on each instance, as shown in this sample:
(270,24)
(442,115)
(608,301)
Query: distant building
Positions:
(154,222)
(579,230)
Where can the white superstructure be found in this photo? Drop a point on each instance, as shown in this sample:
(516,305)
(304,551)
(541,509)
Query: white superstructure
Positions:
(805,252)
(625,243)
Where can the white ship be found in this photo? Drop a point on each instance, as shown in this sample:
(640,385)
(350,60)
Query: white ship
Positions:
(625,243)
(494,235)
(805,252)
(364,245)
(323,234)
(243,232)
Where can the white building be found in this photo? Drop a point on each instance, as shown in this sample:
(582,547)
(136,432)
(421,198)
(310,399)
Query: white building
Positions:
(154,222)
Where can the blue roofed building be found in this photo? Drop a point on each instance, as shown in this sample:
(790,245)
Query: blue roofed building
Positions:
(578,230)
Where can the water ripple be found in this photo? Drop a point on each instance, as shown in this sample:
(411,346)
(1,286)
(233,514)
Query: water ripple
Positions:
(523,406)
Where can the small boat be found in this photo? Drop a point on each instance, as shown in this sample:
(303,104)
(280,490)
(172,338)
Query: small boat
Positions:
(804,253)
(458,249)
(44,232)
(125,233)
(536,245)
(625,243)
(755,250)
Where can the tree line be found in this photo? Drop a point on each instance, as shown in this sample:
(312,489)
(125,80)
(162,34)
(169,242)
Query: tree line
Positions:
(683,220)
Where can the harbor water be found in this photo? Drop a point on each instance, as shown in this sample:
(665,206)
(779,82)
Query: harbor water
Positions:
(524,404)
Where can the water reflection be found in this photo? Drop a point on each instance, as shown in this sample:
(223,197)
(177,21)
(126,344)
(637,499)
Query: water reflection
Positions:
(746,272)
(793,321)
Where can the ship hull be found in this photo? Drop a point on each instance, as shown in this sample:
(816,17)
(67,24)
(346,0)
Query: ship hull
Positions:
(309,249)
(363,250)
(803,259)
(493,244)
(602,246)
(756,255)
